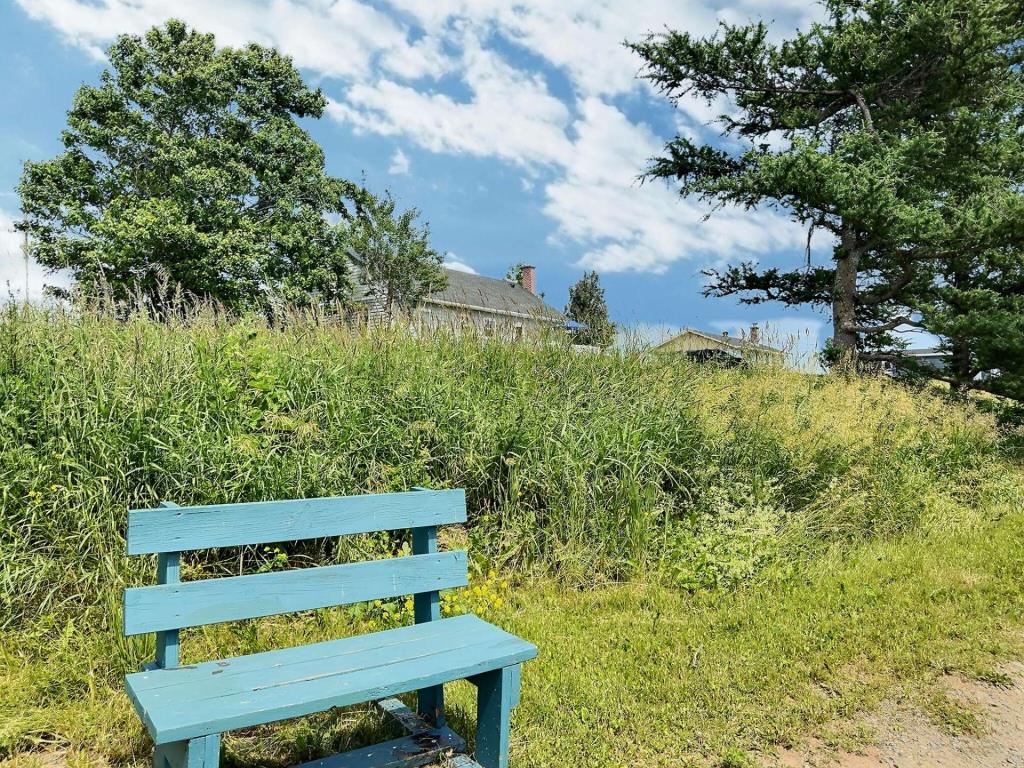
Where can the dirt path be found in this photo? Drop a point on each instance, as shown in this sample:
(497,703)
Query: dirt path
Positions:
(907,739)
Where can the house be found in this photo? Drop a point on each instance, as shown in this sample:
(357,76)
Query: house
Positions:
(488,306)
(721,347)
(928,357)
(917,362)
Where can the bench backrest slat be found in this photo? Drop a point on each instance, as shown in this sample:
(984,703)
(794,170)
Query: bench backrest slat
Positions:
(193,603)
(178,529)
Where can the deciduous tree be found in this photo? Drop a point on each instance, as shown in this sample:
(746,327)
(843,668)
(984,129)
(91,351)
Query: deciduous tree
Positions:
(394,259)
(186,165)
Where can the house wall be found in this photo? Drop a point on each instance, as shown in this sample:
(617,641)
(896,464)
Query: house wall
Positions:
(458,320)
(938,362)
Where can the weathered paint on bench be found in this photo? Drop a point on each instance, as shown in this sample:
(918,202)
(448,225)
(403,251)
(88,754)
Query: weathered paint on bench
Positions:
(170,528)
(192,604)
(424,744)
(217,696)
(187,708)
(168,571)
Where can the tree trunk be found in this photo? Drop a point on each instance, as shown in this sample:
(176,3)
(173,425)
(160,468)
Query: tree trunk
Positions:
(844,298)
(960,366)
(960,359)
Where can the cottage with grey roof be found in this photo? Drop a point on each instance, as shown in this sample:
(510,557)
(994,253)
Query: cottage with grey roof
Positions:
(503,309)
(720,348)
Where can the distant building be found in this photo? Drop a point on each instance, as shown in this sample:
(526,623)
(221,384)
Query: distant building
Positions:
(720,348)
(490,307)
(920,361)
(932,357)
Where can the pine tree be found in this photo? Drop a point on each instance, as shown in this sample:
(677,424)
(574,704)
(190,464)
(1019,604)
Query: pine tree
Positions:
(587,307)
(861,127)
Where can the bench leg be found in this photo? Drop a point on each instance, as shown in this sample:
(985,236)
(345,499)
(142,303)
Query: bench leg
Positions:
(496,694)
(203,752)
(430,705)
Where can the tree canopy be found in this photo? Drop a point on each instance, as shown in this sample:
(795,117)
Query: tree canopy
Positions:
(394,259)
(587,307)
(893,125)
(186,167)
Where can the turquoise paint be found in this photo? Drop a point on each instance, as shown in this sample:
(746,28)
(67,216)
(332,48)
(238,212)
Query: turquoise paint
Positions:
(406,752)
(494,707)
(267,522)
(216,696)
(427,608)
(194,603)
(168,571)
(186,708)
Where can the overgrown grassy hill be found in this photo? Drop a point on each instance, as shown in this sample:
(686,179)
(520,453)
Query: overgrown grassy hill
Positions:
(650,515)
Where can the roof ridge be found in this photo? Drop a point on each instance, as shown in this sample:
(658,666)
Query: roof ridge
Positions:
(737,342)
(473,290)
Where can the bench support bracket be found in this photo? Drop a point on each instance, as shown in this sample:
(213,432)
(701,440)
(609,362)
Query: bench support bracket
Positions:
(203,752)
(427,607)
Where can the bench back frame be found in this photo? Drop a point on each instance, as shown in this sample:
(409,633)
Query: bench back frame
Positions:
(423,574)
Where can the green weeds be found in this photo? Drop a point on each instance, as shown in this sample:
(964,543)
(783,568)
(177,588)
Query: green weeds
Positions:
(711,561)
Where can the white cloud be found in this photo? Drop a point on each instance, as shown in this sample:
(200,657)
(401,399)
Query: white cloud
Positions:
(425,57)
(459,266)
(338,38)
(399,163)
(511,115)
(629,227)
(584,37)
(395,61)
(13,276)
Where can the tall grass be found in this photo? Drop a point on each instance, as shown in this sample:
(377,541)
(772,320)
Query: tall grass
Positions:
(588,467)
(581,469)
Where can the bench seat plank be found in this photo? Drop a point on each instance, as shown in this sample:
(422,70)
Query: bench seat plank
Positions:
(212,697)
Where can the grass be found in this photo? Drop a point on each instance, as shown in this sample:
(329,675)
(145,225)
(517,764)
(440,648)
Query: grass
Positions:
(642,674)
(712,562)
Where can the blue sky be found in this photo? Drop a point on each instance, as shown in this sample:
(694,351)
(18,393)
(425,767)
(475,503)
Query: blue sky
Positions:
(518,129)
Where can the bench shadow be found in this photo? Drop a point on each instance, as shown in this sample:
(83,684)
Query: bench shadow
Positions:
(293,742)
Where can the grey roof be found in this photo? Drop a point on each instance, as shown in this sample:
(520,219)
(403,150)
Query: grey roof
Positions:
(926,352)
(470,291)
(735,342)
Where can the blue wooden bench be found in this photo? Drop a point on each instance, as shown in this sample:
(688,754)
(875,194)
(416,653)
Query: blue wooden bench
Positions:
(186,708)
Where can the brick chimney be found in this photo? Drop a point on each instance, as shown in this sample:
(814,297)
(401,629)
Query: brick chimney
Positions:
(528,280)
(755,334)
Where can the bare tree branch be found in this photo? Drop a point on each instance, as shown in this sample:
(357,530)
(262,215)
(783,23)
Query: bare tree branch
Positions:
(869,123)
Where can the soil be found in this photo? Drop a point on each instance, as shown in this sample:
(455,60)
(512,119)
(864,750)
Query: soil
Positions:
(906,738)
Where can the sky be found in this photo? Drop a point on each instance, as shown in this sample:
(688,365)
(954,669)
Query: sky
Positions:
(519,130)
